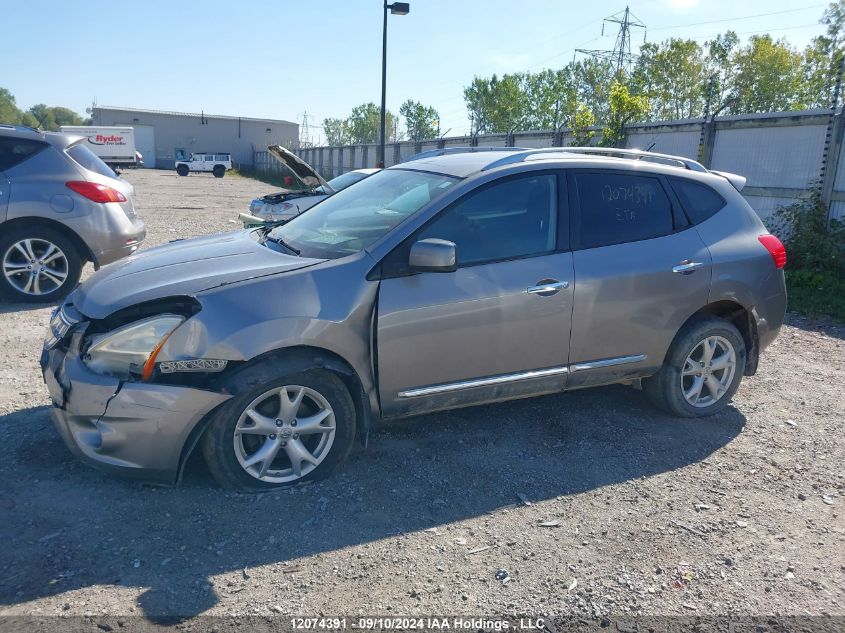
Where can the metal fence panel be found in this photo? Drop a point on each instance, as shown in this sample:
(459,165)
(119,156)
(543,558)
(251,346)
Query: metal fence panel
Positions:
(493,140)
(839,183)
(765,206)
(534,140)
(458,141)
(771,157)
(677,143)
(779,153)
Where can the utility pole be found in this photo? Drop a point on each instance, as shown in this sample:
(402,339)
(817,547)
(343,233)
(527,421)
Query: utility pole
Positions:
(620,57)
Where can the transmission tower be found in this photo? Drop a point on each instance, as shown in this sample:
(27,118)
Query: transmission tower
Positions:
(620,57)
(304,131)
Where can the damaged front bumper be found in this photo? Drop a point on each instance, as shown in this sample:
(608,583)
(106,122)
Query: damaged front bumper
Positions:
(140,430)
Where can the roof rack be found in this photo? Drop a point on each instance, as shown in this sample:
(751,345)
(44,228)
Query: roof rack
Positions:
(19,128)
(632,154)
(463,149)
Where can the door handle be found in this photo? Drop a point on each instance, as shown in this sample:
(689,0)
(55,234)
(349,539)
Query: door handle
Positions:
(547,287)
(687,267)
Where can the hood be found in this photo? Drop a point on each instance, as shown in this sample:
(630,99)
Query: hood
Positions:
(185,267)
(301,170)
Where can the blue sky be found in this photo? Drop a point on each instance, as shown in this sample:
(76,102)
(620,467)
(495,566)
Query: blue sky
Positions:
(279,59)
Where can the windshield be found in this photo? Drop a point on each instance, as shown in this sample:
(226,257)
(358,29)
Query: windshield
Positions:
(354,218)
(342,182)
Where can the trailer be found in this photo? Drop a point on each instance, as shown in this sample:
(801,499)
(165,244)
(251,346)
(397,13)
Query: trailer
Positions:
(114,145)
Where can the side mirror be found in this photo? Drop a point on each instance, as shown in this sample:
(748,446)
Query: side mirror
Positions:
(434,256)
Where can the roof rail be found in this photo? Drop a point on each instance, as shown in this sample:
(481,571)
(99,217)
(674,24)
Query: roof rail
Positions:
(19,128)
(632,154)
(463,150)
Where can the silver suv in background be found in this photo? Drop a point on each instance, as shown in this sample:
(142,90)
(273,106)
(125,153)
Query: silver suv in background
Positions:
(60,206)
(443,282)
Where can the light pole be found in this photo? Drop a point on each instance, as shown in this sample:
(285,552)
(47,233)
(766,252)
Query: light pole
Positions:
(397,8)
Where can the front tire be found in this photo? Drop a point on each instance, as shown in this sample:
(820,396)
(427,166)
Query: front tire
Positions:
(279,431)
(182,170)
(39,265)
(702,370)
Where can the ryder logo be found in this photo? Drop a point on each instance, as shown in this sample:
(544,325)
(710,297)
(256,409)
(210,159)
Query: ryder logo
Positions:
(101,139)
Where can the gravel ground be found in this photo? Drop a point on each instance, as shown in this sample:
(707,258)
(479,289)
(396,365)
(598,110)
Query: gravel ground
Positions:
(588,504)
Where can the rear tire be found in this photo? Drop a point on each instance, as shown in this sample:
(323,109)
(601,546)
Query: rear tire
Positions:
(182,170)
(219,171)
(38,265)
(253,441)
(702,370)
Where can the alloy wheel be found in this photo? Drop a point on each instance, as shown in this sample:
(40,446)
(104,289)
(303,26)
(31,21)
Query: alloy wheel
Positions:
(35,266)
(284,434)
(708,371)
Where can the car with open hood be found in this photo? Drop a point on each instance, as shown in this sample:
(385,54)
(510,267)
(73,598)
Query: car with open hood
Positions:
(447,282)
(286,204)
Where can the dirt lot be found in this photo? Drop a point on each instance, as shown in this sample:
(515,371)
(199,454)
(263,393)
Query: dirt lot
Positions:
(625,511)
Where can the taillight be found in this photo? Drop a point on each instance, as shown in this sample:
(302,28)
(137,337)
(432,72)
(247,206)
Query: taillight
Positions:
(775,248)
(96,192)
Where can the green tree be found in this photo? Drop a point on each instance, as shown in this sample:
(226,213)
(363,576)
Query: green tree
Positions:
(624,108)
(30,121)
(9,112)
(822,58)
(672,75)
(44,116)
(496,105)
(336,131)
(51,118)
(421,122)
(720,68)
(768,76)
(364,121)
(580,122)
(550,98)
(819,68)
(594,78)
(66,116)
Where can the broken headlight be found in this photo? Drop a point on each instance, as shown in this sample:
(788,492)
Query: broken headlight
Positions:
(131,350)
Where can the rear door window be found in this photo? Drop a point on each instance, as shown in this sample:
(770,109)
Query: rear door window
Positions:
(14,151)
(616,208)
(89,160)
(699,201)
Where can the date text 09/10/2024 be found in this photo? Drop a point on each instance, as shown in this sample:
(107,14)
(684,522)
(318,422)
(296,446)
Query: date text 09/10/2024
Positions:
(415,623)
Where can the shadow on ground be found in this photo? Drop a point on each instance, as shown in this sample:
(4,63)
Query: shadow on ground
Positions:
(822,324)
(73,527)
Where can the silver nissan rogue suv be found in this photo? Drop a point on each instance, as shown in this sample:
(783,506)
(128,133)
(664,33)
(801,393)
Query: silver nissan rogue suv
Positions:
(60,206)
(443,282)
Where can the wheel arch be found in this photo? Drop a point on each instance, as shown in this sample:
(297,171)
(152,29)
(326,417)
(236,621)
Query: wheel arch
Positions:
(297,358)
(740,316)
(34,220)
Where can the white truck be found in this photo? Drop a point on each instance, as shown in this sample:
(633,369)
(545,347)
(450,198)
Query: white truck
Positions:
(114,145)
(217,163)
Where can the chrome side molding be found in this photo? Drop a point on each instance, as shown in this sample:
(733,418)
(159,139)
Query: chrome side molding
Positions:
(482,382)
(608,362)
(525,375)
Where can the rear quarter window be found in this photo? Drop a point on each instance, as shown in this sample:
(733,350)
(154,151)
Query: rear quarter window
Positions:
(89,160)
(14,151)
(699,201)
(617,208)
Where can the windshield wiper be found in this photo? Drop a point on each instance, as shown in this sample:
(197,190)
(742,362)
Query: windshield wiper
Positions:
(282,243)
